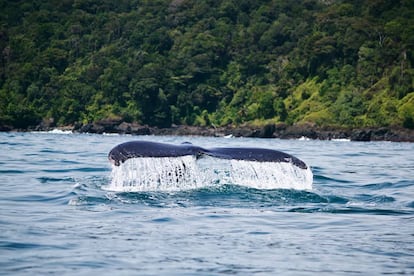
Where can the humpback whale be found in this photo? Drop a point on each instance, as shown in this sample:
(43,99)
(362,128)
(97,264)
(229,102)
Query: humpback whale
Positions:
(136,149)
(153,166)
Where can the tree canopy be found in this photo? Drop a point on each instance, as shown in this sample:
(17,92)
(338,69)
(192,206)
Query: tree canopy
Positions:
(163,62)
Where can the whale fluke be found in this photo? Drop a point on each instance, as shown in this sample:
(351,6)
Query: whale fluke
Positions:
(136,149)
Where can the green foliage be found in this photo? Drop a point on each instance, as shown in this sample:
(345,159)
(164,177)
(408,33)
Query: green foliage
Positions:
(342,63)
(406,111)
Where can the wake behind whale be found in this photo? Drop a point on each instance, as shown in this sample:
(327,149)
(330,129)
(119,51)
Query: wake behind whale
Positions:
(148,166)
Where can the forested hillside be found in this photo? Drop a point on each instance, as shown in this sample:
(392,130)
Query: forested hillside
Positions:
(208,62)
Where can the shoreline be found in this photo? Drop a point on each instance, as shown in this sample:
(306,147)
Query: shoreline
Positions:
(281,131)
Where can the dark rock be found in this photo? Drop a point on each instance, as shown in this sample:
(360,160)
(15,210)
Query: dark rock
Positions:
(267,131)
(297,131)
(108,125)
(378,134)
(85,128)
(240,132)
(361,135)
(282,131)
(5,127)
(124,128)
(255,133)
(100,129)
(142,130)
(46,124)
(77,126)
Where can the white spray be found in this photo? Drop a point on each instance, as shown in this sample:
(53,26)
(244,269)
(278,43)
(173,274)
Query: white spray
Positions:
(188,172)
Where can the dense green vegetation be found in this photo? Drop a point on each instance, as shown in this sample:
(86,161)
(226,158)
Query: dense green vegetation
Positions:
(207,62)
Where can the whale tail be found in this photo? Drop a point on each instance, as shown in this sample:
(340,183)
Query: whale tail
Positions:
(137,149)
(151,166)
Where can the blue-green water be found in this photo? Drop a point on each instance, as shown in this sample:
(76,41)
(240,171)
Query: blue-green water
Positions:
(56,217)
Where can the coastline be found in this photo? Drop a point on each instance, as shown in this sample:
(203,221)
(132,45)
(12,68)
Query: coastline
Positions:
(281,131)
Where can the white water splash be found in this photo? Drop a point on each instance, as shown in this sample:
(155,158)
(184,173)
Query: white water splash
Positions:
(271,175)
(156,174)
(187,172)
(54,131)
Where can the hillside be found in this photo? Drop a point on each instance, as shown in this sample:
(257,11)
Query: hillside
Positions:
(201,63)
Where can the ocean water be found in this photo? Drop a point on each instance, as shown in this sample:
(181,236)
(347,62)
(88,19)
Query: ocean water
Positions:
(60,213)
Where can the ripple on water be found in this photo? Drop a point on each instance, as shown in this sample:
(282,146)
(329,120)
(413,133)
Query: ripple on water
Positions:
(226,196)
(56,217)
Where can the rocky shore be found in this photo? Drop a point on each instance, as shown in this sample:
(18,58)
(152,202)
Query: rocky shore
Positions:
(281,131)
